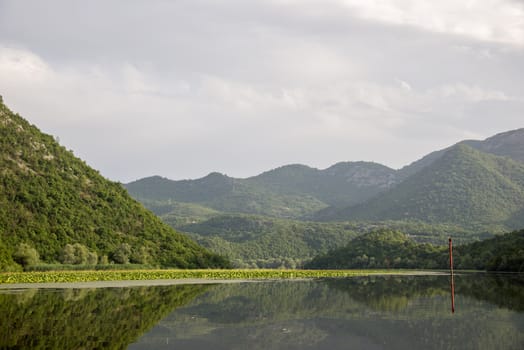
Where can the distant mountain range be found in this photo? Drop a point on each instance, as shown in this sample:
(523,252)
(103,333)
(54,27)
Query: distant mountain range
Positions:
(50,199)
(291,191)
(470,183)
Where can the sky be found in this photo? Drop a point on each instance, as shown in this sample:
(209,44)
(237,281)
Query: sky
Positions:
(182,88)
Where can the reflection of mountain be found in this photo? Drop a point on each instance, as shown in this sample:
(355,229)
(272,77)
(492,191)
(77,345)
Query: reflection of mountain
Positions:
(108,318)
(371,312)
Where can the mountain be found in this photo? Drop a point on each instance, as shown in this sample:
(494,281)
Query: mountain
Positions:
(345,183)
(463,186)
(291,191)
(50,199)
(221,193)
(506,144)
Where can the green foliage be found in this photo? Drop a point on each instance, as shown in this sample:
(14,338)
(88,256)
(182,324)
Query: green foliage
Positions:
(393,249)
(51,198)
(382,249)
(26,255)
(263,242)
(501,253)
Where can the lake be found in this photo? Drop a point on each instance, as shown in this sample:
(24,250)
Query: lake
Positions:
(375,312)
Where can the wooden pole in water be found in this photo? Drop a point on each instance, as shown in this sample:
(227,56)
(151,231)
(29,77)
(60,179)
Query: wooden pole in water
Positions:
(452,276)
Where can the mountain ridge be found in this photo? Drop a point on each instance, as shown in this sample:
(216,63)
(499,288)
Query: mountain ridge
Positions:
(463,185)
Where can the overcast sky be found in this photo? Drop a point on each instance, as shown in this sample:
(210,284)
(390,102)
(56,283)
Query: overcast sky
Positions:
(184,87)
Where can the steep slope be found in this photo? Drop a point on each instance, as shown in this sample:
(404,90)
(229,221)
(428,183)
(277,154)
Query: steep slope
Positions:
(50,198)
(506,144)
(463,186)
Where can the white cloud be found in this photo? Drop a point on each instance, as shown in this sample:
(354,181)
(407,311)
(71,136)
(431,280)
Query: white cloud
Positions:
(500,21)
(491,20)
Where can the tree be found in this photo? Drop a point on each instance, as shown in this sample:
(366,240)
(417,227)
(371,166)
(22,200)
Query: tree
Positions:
(122,253)
(92,258)
(26,255)
(68,254)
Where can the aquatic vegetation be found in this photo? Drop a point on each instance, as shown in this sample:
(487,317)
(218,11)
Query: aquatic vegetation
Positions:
(125,275)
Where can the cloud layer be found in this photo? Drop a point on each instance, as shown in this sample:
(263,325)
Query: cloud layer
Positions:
(184,88)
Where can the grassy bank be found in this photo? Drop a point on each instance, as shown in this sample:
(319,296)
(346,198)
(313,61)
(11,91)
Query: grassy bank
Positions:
(132,275)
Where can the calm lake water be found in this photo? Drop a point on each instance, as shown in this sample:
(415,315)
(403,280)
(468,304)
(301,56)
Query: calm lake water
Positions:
(381,312)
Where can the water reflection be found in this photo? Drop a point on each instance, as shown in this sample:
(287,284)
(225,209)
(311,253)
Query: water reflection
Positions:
(373,312)
(108,318)
(365,313)
(452,288)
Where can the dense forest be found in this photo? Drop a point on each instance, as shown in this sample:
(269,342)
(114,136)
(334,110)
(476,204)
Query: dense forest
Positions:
(56,209)
(259,241)
(393,249)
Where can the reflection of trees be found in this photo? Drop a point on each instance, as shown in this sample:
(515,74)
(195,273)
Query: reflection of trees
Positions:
(503,290)
(401,312)
(391,293)
(108,318)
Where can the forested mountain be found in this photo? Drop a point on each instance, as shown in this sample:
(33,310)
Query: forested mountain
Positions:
(222,193)
(51,200)
(342,184)
(463,186)
(473,190)
(291,191)
(394,249)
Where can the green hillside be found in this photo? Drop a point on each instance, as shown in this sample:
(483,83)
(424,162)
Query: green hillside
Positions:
(500,253)
(506,144)
(255,241)
(49,198)
(221,193)
(342,184)
(464,186)
(382,249)
(291,191)
(394,249)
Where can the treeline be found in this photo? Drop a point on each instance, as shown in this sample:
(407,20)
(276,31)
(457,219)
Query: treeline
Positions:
(394,249)
(77,257)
